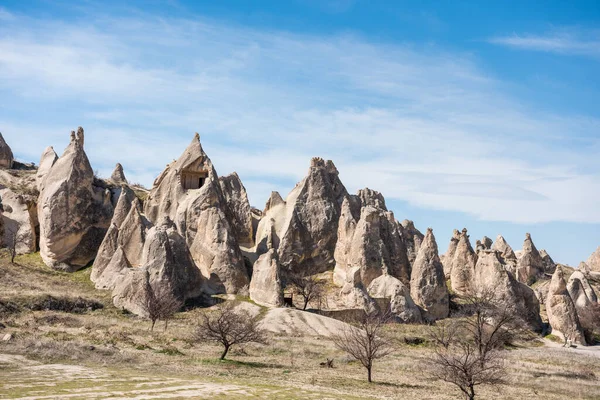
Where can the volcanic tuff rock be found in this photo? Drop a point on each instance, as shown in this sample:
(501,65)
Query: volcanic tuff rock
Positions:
(166,262)
(372,242)
(189,193)
(487,243)
(412,239)
(6,154)
(355,295)
(462,266)
(562,313)
(448,257)
(506,252)
(74,215)
(594,261)
(237,200)
(491,274)
(118,175)
(402,305)
(265,286)
(49,157)
(530,264)
(547,262)
(427,284)
(19,220)
(581,292)
(306,223)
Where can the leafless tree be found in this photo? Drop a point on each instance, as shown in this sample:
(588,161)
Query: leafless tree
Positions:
(307,285)
(229,327)
(364,341)
(469,350)
(160,304)
(13,240)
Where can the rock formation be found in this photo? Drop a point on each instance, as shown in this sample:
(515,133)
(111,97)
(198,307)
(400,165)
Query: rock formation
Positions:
(548,263)
(6,154)
(19,221)
(487,243)
(428,284)
(189,193)
(237,200)
(401,304)
(562,313)
(491,275)
(412,239)
(530,265)
(594,261)
(118,175)
(372,242)
(581,292)
(74,215)
(49,157)
(354,293)
(306,224)
(462,266)
(507,254)
(448,257)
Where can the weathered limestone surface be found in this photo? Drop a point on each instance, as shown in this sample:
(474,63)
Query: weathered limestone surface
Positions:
(562,313)
(74,215)
(428,284)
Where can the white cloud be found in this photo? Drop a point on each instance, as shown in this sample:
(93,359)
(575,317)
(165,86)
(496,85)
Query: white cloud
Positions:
(421,125)
(560,42)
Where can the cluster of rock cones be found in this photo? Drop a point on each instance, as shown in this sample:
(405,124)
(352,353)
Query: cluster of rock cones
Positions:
(196,234)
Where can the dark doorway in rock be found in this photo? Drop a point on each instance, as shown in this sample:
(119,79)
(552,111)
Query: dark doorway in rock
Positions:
(193,179)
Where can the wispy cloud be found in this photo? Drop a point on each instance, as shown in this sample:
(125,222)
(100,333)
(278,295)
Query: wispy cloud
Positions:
(564,41)
(425,126)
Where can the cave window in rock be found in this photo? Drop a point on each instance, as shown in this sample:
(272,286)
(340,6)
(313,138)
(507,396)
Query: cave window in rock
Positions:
(193,179)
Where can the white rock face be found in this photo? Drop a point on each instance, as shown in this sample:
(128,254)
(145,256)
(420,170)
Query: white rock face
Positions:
(507,254)
(74,215)
(237,200)
(594,261)
(562,313)
(6,154)
(189,193)
(428,284)
(581,292)
(19,217)
(401,304)
(47,161)
(491,274)
(463,264)
(530,265)
(448,258)
(412,239)
(265,286)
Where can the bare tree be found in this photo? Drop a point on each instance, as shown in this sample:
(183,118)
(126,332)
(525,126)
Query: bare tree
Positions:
(307,285)
(229,327)
(13,240)
(468,350)
(364,341)
(160,304)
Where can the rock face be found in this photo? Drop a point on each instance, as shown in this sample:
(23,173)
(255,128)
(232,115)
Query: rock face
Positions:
(49,157)
(118,175)
(237,200)
(581,292)
(402,305)
(530,265)
(448,258)
(370,238)
(166,263)
(594,261)
(354,293)
(6,154)
(487,243)
(428,284)
(74,215)
(19,220)
(507,254)
(306,223)
(562,313)
(547,262)
(189,193)
(412,239)
(462,266)
(491,274)
(265,286)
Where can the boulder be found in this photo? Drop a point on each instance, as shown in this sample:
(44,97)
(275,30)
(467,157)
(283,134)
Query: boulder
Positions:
(462,267)
(562,313)
(6,155)
(306,222)
(47,161)
(401,304)
(354,294)
(448,257)
(74,215)
(118,175)
(427,283)
(594,261)
(237,200)
(492,275)
(412,239)
(189,193)
(530,265)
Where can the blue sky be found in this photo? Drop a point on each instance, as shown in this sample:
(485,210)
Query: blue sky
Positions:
(463,113)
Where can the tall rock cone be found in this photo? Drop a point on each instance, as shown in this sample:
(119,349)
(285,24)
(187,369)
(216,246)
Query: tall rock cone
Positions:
(562,313)
(6,155)
(47,161)
(307,224)
(463,265)
(74,215)
(491,275)
(412,239)
(507,254)
(265,286)
(547,262)
(189,193)
(594,261)
(237,200)
(427,283)
(448,258)
(118,175)
(530,265)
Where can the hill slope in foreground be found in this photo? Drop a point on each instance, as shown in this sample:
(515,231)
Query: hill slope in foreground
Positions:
(97,351)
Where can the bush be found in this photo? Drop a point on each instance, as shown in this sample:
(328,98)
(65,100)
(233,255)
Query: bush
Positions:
(76,305)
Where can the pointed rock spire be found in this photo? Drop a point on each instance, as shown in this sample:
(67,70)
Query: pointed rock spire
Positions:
(241,213)
(49,157)
(448,258)
(265,286)
(463,265)
(6,155)
(428,284)
(594,261)
(412,239)
(118,175)
(562,313)
(530,264)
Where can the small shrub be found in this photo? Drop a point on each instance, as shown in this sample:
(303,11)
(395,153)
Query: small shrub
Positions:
(76,305)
